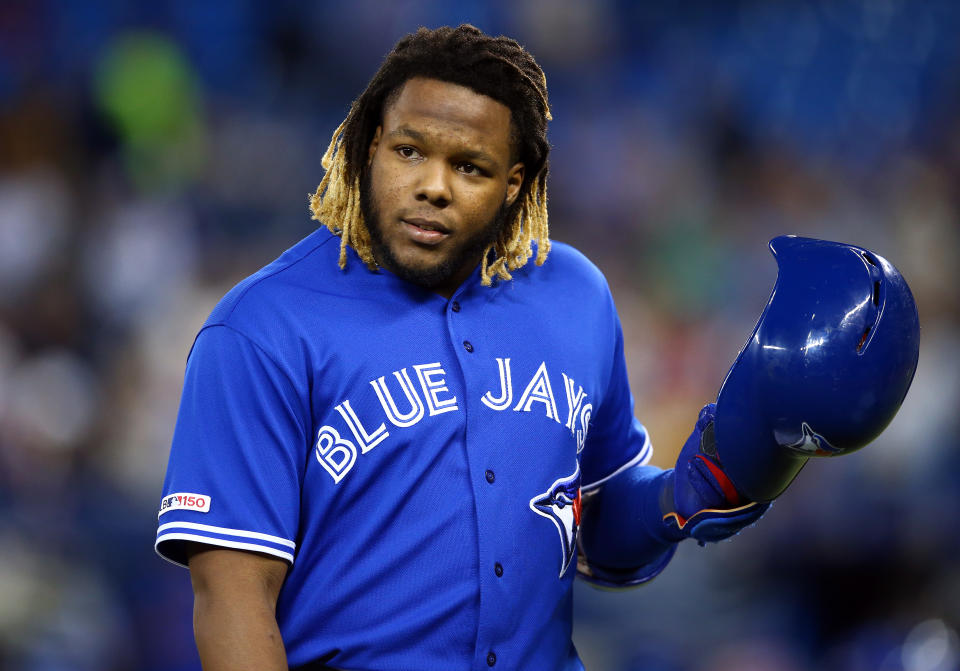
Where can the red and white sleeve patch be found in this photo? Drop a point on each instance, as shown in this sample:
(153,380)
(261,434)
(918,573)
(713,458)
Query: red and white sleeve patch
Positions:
(185,501)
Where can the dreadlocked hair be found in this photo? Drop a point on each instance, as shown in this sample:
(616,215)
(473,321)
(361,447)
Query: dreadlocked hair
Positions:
(497,67)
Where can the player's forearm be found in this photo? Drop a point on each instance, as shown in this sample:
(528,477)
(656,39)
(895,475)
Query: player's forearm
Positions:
(237,636)
(234,612)
(623,527)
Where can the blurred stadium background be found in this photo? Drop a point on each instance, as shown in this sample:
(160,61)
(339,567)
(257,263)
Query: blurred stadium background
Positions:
(152,154)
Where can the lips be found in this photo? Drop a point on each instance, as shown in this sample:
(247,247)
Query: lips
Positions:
(425,231)
(426,224)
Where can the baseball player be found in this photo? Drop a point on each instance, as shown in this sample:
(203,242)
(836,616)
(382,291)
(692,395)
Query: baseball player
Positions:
(399,442)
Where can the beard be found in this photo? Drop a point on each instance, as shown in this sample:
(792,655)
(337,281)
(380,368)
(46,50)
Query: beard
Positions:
(469,252)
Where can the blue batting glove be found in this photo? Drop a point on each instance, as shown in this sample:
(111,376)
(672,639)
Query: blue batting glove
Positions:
(700,501)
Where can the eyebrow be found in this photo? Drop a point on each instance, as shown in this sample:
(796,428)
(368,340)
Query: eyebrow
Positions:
(471,154)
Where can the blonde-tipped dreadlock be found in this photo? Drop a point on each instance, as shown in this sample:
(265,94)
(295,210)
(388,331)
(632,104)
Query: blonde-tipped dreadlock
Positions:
(497,67)
(337,199)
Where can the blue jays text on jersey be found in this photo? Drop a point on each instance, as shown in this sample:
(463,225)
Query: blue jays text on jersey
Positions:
(418,461)
(338,454)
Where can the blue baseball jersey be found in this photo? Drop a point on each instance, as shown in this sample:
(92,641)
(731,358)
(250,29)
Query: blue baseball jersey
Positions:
(418,461)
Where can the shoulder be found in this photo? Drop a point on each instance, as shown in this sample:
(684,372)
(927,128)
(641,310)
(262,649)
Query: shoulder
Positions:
(566,271)
(283,308)
(280,286)
(566,258)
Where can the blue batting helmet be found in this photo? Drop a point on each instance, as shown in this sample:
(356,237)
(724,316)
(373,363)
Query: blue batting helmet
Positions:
(826,368)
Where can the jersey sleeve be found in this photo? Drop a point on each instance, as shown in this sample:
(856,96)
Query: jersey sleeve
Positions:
(620,492)
(238,453)
(616,440)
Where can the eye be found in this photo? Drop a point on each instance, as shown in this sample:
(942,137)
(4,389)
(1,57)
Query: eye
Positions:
(469,169)
(407,151)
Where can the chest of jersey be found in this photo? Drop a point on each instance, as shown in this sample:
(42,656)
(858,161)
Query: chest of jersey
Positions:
(445,467)
(427,375)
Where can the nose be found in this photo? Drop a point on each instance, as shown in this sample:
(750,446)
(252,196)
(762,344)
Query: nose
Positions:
(434,185)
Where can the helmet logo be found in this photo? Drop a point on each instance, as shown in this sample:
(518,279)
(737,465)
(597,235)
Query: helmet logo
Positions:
(812,444)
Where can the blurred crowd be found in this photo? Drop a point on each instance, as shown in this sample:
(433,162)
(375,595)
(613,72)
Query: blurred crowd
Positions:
(153,154)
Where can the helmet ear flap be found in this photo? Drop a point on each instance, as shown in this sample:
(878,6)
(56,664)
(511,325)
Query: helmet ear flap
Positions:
(826,368)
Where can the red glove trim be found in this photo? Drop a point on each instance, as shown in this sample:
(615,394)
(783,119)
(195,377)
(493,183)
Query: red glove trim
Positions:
(729,491)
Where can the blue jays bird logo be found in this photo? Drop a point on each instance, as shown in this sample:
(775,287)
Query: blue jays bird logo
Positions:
(561,505)
(813,444)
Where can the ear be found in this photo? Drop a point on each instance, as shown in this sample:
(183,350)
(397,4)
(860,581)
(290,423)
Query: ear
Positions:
(514,182)
(374,143)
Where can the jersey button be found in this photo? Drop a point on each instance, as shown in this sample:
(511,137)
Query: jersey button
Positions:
(498,569)
(455,306)
(491,659)
(467,345)
(490,476)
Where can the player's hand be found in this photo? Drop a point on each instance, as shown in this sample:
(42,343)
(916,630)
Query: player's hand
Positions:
(700,501)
